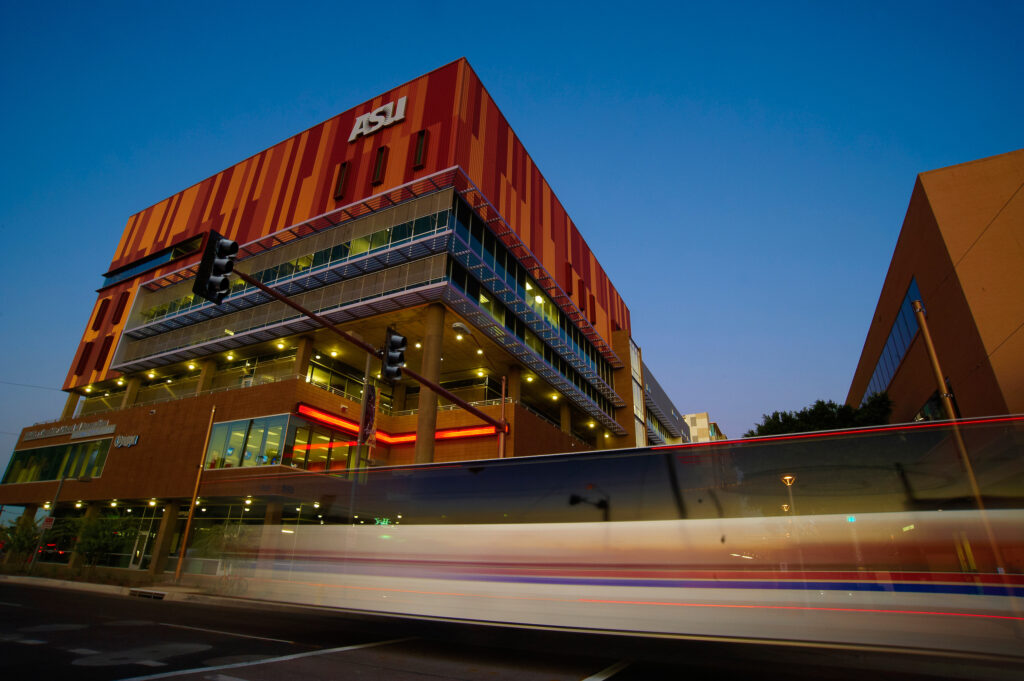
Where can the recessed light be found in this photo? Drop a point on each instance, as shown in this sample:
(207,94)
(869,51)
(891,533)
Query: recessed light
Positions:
(191,365)
(88,389)
(538,299)
(554,397)
(419,345)
(334,353)
(168,380)
(318,356)
(120,382)
(458,336)
(480,372)
(479,351)
(230,356)
(529,379)
(280,346)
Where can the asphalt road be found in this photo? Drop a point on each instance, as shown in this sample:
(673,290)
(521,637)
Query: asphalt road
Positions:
(86,636)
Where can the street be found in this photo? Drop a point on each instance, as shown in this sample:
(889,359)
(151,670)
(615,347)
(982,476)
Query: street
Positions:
(65,633)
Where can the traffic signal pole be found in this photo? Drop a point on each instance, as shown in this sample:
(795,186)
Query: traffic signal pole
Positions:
(501,426)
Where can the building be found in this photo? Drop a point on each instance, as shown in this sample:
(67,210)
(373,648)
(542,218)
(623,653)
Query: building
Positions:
(960,252)
(418,211)
(702,428)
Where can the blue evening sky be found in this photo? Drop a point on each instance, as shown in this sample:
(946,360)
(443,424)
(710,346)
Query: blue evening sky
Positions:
(741,170)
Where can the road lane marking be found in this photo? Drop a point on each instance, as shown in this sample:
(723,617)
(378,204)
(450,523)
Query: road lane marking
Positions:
(10,605)
(226,633)
(283,658)
(30,641)
(609,672)
(83,651)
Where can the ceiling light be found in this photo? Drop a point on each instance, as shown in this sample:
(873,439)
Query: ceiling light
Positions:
(106,394)
(334,353)
(152,502)
(555,397)
(318,356)
(168,380)
(230,356)
(78,504)
(120,381)
(248,502)
(280,346)
(539,299)
(591,424)
(88,389)
(151,375)
(479,351)
(529,379)
(458,336)
(607,435)
(480,372)
(419,345)
(113,504)
(191,365)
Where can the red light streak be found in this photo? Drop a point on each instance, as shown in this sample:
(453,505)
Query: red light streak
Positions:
(387,438)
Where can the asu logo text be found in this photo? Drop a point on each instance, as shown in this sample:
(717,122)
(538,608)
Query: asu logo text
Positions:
(381,117)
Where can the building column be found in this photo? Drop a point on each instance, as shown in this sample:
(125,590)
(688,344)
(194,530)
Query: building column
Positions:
(206,371)
(426,419)
(164,537)
(565,412)
(70,405)
(91,511)
(515,382)
(303,352)
(131,391)
(270,534)
(398,397)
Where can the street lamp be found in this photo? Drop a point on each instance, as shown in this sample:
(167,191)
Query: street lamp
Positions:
(53,508)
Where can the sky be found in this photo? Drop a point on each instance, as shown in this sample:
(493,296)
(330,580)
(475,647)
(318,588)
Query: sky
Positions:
(740,170)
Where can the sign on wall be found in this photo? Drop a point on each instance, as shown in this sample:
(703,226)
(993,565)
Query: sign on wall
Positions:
(381,117)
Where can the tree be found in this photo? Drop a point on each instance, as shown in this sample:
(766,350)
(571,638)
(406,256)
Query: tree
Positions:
(824,415)
(21,539)
(100,536)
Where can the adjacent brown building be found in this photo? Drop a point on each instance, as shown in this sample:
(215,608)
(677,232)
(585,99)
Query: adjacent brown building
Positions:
(960,252)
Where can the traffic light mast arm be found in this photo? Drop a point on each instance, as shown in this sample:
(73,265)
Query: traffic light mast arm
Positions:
(366,347)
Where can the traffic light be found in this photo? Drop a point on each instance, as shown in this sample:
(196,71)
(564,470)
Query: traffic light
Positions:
(218,261)
(394,356)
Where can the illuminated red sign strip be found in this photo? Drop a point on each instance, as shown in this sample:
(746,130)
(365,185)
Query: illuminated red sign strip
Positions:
(335,421)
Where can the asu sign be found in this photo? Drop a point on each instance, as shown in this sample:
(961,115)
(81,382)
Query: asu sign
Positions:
(381,117)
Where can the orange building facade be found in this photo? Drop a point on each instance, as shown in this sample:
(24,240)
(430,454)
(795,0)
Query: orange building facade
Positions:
(961,253)
(418,211)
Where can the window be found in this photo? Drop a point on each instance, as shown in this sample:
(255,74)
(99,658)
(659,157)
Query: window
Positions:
(122,302)
(419,158)
(100,314)
(83,359)
(104,350)
(79,459)
(380,165)
(339,186)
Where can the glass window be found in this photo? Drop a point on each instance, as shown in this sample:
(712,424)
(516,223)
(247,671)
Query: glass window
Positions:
(218,445)
(339,252)
(401,232)
(359,246)
(319,450)
(254,443)
(379,239)
(423,225)
(235,442)
(300,447)
(272,446)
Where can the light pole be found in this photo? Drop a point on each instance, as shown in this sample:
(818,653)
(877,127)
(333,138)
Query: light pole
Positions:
(53,508)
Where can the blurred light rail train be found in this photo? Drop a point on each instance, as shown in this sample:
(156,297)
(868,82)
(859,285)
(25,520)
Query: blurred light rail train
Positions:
(867,537)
